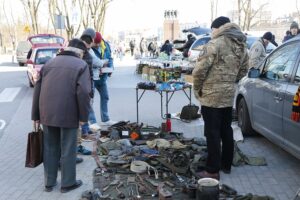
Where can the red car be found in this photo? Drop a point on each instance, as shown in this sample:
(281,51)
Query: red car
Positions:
(39,56)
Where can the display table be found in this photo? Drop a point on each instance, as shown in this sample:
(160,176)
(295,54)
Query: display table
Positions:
(168,96)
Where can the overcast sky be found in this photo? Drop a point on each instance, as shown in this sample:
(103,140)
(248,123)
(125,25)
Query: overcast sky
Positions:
(127,14)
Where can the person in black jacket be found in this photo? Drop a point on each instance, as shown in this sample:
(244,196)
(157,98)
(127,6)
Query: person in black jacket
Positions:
(167,48)
(187,45)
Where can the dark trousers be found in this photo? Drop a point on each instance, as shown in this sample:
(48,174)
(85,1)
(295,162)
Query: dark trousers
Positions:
(217,129)
(59,145)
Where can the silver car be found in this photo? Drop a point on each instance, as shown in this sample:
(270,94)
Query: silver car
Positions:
(264,98)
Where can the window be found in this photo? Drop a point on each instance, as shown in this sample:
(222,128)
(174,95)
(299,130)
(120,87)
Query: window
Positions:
(200,42)
(42,56)
(279,65)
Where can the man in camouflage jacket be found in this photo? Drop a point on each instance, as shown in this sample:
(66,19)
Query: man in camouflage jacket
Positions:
(222,62)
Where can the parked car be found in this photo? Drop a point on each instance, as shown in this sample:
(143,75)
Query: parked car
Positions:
(34,41)
(21,52)
(264,98)
(203,39)
(39,57)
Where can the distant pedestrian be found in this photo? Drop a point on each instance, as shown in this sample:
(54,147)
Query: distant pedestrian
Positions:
(294,30)
(132,46)
(61,101)
(257,51)
(186,47)
(167,48)
(143,47)
(223,62)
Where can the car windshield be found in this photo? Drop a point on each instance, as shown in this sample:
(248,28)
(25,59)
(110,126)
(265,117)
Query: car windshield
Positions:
(47,39)
(43,55)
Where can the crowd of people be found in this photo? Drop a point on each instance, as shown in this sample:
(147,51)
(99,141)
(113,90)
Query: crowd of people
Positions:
(63,96)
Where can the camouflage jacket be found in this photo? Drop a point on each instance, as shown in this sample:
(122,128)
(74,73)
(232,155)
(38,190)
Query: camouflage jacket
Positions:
(221,63)
(257,53)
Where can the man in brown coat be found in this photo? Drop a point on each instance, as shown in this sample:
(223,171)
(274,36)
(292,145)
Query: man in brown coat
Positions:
(60,102)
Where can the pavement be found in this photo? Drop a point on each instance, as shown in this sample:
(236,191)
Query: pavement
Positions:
(279,179)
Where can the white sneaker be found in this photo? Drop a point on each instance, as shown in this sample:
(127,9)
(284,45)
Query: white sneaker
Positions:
(108,123)
(95,127)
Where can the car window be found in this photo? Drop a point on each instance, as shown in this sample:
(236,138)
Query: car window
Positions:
(47,39)
(200,42)
(280,63)
(43,55)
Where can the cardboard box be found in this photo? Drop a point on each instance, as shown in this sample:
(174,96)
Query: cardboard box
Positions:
(188,78)
(145,70)
(152,71)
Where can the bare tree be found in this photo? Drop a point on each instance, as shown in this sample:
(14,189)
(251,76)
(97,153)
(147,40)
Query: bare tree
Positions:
(94,12)
(213,9)
(32,6)
(52,8)
(10,22)
(298,11)
(246,13)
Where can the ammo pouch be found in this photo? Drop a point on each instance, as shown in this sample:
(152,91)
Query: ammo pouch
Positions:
(189,112)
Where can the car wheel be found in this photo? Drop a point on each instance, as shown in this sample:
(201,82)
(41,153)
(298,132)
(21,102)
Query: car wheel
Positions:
(21,64)
(244,119)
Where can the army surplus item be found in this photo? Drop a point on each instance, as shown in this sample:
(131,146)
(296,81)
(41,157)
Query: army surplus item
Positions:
(146,85)
(141,167)
(189,112)
(252,197)
(115,182)
(163,194)
(227,190)
(239,158)
(207,189)
(121,195)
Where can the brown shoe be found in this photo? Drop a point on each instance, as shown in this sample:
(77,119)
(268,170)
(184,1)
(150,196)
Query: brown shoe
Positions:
(205,174)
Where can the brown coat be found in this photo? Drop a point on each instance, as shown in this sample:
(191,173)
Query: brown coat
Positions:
(61,96)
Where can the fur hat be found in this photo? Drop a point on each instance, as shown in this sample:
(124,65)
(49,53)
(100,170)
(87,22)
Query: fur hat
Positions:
(89,32)
(98,38)
(220,21)
(268,36)
(294,25)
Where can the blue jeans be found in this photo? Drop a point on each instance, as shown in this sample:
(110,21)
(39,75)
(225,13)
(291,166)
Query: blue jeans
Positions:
(101,87)
(92,119)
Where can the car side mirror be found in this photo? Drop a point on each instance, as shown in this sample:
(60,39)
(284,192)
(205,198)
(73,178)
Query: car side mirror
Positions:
(253,73)
(29,62)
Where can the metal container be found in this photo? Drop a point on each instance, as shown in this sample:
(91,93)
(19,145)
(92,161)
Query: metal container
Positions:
(207,189)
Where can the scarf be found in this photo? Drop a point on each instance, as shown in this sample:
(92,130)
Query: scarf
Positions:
(296,107)
(103,47)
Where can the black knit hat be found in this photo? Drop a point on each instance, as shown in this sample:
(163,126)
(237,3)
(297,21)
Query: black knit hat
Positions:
(76,43)
(294,25)
(268,36)
(220,21)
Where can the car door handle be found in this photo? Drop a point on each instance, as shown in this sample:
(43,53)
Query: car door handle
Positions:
(277,98)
